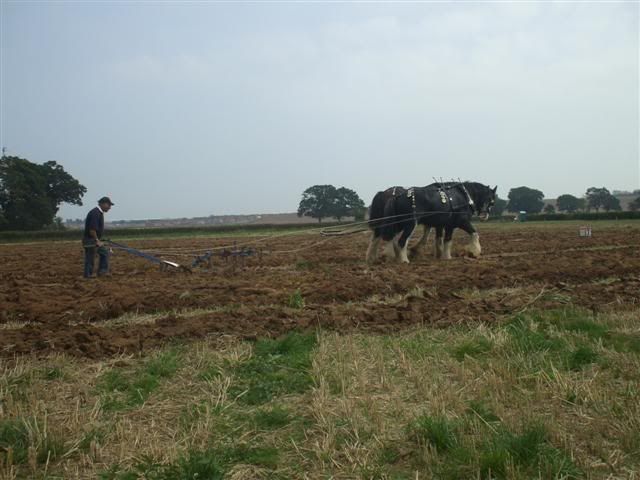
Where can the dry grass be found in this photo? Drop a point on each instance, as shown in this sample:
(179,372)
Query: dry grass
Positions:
(464,402)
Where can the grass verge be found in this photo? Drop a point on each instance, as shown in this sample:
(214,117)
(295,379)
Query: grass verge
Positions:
(550,394)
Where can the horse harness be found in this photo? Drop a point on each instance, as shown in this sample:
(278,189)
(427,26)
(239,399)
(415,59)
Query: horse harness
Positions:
(444,197)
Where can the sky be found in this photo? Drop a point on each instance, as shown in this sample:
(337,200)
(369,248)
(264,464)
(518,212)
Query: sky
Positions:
(184,109)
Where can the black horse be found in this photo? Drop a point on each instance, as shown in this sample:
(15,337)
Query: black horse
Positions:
(445,206)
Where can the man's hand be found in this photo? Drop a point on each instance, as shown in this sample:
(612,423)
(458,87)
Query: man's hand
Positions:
(99,243)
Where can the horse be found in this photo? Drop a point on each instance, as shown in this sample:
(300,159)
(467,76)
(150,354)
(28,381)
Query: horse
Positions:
(377,221)
(445,206)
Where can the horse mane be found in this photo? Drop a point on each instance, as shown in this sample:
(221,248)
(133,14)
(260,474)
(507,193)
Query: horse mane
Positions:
(477,190)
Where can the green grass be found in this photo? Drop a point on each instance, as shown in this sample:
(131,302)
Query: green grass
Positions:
(15,435)
(473,347)
(296,300)
(20,434)
(482,410)
(527,338)
(568,337)
(581,357)
(277,367)
(209,464)
(440,432)
(193,465)
(272,418)
(550,395)
(466,451)
(123,388)
(52,373)
(579,321)
(121,234)
(526,454)
(93,435)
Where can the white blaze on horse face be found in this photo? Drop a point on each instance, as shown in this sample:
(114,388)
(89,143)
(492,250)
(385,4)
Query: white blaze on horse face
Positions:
(474,245)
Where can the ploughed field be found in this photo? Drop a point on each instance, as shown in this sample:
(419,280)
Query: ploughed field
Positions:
(303,281)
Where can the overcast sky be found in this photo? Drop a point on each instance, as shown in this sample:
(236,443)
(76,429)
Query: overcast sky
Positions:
(198,108)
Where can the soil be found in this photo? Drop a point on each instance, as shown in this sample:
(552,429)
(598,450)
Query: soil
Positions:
(47,307)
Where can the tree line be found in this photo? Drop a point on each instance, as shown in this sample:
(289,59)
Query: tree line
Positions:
(31,194)
(530,200)
(326,201)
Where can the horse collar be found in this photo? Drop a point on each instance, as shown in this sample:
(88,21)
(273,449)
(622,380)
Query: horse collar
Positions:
(471,202)
(412,195)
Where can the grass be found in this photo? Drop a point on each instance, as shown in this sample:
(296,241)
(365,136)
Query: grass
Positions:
(118,234)
(194,464)
(440,432)
(547,394)
(272,418)
(296,300)
(528,454)
(123,388)
(277,367)
(472,347)
(14,435)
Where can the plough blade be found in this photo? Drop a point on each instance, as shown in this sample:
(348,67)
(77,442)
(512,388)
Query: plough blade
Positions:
(164,264)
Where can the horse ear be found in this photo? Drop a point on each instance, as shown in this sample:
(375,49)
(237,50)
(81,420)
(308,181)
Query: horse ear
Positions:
(495,189)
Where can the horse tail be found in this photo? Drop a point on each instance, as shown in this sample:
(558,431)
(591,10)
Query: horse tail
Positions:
(376,213)
(390,225)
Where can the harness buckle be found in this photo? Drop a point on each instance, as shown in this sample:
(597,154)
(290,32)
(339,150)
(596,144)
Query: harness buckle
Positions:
(412,195)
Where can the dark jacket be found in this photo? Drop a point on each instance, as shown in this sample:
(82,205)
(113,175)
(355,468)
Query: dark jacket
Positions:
(94,221)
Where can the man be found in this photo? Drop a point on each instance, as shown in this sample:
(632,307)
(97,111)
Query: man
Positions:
(92,239)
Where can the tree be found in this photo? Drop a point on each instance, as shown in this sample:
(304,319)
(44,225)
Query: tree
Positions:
(525,198)
(30,194)
(597,197)
(318,202)
(549,208)
(611,203)
(323,201)
(569,203)
(634,205)
(348,204)
(498,207)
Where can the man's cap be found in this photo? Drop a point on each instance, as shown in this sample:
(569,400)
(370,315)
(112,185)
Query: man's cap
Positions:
(106,200)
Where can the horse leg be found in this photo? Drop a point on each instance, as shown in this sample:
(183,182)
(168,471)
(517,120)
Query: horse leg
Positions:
(438,247)
(448,234)
(415,250)
(372,251)
(473,247)
(403,241)
(396,248)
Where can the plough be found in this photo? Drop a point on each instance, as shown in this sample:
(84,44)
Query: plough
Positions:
(164,264)
(200,260)
(225,253)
